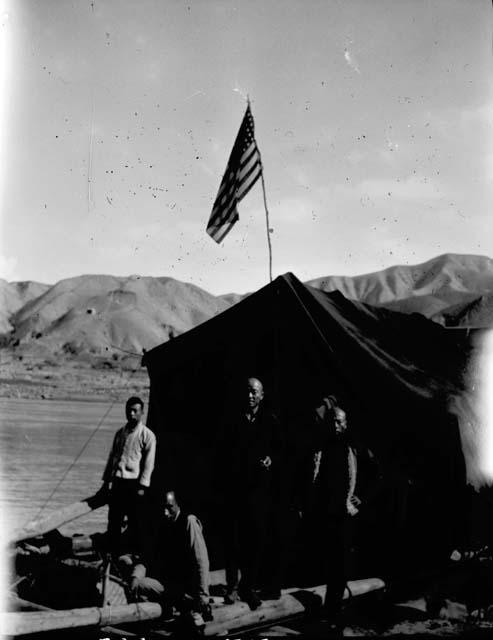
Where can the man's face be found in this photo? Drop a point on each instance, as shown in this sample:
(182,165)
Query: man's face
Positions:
(134,413)
(255,393)
(335,419)
(171,507)
(340,421)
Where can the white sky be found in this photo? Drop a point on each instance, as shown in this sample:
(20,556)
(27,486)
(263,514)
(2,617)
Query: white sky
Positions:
(374,120)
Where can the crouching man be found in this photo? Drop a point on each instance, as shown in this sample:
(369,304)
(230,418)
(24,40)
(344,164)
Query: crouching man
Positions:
(175,570)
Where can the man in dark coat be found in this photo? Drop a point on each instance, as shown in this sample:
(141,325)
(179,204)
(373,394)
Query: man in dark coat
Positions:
(328,501)
(175,567)
(252,451)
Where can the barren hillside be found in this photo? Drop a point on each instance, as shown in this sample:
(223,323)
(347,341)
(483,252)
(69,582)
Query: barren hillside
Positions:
(442,289)
(13,295)
(104,315)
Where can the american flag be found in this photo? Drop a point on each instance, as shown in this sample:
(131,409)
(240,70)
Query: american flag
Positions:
(244,168)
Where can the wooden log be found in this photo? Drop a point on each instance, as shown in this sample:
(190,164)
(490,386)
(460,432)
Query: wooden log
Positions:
(124,633)
(40,526)
(106,583)
(354,588)
(27,604)
(293,602)
(240,615)
(34,606)
(226,618)
(19,623)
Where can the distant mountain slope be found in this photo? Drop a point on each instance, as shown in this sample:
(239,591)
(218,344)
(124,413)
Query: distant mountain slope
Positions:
(439,288)
(13,295)
(477,313)
(100,314)
(103,315)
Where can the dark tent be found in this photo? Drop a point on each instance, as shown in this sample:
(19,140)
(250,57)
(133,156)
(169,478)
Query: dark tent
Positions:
(395,373)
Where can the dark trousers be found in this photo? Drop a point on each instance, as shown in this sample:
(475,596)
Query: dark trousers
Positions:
(335,563)
(245,544)
(124,502)
(324,554)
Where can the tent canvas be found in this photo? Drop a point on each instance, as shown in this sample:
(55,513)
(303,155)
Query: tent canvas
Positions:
(395,373)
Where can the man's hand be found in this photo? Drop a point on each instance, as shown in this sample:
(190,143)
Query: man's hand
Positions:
(27,549)
(352,505)
(205,608)
(134,586)
(355,501)
(266,462)
(351,509)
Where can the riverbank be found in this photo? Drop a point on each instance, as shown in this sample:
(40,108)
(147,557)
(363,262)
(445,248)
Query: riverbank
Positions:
(96,381)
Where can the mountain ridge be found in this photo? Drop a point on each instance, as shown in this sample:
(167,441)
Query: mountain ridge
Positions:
(109,316)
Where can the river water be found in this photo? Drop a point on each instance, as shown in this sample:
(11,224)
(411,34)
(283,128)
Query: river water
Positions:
(41,441)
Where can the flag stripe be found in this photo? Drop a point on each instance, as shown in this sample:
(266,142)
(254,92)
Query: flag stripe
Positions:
(219,234)
(225,198)
(223,204)
(248,154)
(224,211)
(249,180)
(223,214)
(250,162)
(226,186)
(242,171)
(222,208)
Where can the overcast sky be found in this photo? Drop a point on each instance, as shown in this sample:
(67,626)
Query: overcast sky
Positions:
(374,120)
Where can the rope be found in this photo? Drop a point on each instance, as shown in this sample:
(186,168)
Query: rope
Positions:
(76,459)
(105,616)
(132,353)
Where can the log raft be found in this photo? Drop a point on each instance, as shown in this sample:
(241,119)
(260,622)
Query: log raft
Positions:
(225,618)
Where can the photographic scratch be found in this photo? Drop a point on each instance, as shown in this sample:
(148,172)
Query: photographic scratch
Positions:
(90,202)
(194,95)
(351,61)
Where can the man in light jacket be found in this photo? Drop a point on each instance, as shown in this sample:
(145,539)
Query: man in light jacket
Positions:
(127,477)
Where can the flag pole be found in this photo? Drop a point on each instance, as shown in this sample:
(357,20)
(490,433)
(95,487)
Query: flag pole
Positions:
(268,226)
(269,244)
